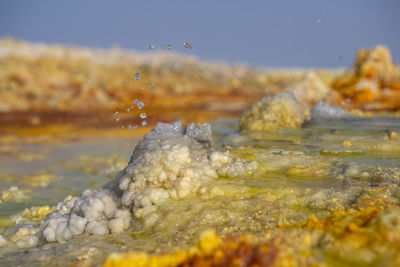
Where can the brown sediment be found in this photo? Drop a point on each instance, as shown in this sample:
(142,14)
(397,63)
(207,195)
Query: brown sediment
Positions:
(55,126)
(188,108)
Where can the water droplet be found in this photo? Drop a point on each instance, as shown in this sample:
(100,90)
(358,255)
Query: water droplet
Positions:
(132,107)
(117,119)
(143,115)
(122,126)
(116,112)
(150,85)
(151,46)
(135,127)
(144,123)
(138,103)
(137,76)
(130,127)
(128,109)
(187,45)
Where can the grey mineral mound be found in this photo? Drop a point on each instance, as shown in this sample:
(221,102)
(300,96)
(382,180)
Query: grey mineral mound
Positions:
(323,112)
(172,161)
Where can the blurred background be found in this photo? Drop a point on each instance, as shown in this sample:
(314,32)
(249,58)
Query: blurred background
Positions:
(87,61)
(286,33)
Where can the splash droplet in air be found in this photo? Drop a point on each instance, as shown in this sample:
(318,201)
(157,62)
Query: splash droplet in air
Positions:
(138,103)
(137,76)
(151,85)
(135,127)
(116,115)
(143,115)
(128,109)
(144,123)
(187,45)
(130,127)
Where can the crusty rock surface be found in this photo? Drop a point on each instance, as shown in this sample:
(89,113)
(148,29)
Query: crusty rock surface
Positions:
(373,83)
(323,112)
(172,161)
(377,64)
(311,90)
(273,112)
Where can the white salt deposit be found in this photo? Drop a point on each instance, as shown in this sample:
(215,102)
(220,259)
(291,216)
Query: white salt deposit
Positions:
(322,112)
(172,161)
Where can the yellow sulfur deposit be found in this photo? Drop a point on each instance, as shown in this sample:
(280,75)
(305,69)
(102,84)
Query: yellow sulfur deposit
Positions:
(361,236)
(13,194)
(205,246)
(37,212)
(346,143)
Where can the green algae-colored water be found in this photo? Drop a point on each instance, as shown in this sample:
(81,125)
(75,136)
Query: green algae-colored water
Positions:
(62,169)
(299,172)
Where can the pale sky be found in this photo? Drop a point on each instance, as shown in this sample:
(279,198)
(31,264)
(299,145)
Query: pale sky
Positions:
(314,33)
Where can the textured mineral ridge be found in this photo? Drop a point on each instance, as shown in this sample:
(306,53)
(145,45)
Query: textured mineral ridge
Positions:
(172,161)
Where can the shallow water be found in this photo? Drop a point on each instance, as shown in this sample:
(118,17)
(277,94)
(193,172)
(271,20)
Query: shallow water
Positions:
(295,167)
(70,168)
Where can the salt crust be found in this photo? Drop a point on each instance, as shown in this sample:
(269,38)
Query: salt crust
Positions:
(273,112)
(172,161)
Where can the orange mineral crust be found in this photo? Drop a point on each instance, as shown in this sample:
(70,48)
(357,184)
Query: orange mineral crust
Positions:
(209,250)
(373,83)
